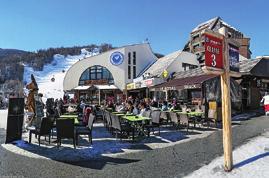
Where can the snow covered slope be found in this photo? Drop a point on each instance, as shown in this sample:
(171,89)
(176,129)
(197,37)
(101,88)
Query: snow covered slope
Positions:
(56,69)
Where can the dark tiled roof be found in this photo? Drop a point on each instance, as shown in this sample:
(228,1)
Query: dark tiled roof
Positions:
(247,65)
(245,68)
(180,83)
(190,73)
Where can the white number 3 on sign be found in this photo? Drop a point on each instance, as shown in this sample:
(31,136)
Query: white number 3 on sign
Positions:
(214,63)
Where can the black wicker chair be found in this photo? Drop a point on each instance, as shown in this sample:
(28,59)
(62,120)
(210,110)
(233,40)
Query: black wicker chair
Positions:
(44,130)
(86,130)
(65,129)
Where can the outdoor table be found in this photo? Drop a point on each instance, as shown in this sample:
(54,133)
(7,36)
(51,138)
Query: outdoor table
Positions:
(193,114)
(120,114)
(109,109)
(117,112)
(75,117)
(135,120)
(69,116)
(176,111)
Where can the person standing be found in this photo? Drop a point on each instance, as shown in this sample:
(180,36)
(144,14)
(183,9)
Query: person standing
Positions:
(265,101)
(30,103)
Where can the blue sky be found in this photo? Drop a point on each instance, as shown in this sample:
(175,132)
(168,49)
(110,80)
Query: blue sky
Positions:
(34,24)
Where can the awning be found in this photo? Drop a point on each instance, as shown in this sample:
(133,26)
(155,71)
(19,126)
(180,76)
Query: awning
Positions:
(82,88)
(106,87)
(99,87)
(184,83)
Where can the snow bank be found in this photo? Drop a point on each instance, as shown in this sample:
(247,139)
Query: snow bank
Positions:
(250,160)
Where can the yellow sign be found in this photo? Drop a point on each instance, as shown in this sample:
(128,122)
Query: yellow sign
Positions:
(130,86)
(165,74)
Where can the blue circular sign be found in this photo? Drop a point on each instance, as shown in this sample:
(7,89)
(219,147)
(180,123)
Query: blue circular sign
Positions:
(116,58)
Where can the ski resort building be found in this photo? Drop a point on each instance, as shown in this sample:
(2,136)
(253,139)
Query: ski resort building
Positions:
(107,74)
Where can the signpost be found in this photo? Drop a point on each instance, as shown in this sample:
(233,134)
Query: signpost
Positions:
(221,56)
(213,51)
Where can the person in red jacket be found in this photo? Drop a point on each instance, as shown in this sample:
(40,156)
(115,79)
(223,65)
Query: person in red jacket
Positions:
(86,115)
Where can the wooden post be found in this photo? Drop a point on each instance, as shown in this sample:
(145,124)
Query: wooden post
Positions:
(226,109)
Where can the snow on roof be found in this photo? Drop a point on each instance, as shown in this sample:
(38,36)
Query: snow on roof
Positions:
(161,64)
(242,58)
(210,23)
(247,65)
(190,73)
(204,24)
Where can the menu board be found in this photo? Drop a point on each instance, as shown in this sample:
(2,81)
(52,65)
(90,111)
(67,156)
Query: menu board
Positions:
(15,119)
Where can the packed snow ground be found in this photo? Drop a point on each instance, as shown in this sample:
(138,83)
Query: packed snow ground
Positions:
(57,70)
(104,143)
(250,160)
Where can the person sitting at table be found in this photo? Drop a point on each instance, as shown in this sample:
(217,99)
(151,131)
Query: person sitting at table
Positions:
(130,107)
(142,108)
(154,103)
(87,112)
(136,109)
(164,106)
(110,105)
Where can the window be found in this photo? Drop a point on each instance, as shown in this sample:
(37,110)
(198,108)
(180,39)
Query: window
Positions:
(129,72)
(186,66)
(85,75)
(96,73)
(134,71)
(129,58)
(134,58)
(196,46)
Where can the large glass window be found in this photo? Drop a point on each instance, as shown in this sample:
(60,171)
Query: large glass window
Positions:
(129,58)
(134,58)
(134,71)
(129,72)
(96,73)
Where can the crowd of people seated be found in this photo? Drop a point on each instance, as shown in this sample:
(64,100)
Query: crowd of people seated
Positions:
(137,107)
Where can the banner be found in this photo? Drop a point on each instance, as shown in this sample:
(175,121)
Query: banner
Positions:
(234,58)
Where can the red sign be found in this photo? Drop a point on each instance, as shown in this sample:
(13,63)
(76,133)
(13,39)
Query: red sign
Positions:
(149,82)
(213,52)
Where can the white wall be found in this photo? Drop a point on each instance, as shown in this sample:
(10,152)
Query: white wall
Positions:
(184,57)
(144,56)
(119,73)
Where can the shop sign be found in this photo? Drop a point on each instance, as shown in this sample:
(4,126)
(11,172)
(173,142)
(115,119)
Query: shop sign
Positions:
(143,84)
(138,85)
(192,86)
(96,82)
(130,86)
(213,52)
(234,58)
(168,88)
(149,82)
(165,74)
(116,58)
